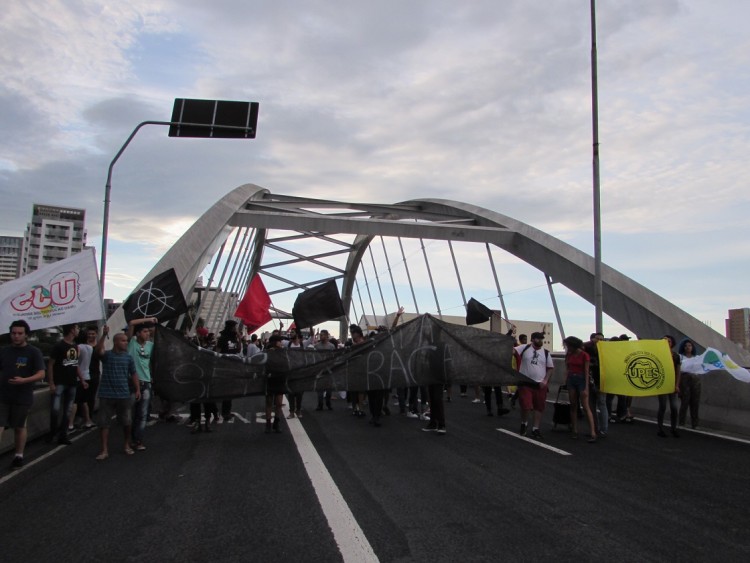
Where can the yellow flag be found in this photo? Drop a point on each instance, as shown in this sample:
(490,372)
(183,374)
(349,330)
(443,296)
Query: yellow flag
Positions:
(636,368)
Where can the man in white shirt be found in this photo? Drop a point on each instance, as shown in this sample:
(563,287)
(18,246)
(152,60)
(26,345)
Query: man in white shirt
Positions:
(535,363)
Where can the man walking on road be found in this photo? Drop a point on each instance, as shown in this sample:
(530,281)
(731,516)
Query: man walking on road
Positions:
(140,348)
(21,365)
(118,372)
(535,363)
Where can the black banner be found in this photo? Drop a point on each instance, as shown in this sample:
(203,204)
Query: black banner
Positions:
(421,352)
(159,297)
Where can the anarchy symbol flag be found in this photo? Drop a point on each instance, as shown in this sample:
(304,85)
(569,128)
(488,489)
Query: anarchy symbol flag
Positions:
(160,297)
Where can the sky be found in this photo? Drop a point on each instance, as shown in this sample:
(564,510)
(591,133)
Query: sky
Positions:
(487,102)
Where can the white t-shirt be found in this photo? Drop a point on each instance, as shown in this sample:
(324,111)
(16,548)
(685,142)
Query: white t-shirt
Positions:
(84,360)
(533,364)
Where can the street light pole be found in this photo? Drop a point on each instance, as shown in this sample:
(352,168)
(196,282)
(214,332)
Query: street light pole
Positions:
(246,130)
(107,192)
(598,288)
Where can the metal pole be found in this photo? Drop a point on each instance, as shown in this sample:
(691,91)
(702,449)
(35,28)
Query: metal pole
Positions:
(598,290)
(554,306)
(108,185)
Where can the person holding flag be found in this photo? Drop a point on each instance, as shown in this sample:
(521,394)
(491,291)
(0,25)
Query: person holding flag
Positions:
(140,349)
(671,396)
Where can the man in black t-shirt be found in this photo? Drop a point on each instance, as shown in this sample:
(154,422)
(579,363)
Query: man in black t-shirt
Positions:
(21,365)
(63,380)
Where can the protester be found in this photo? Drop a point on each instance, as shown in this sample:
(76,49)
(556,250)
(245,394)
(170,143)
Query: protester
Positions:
(597,398)
(115,399)
(690,383)
(275,391)
(63,380)
(85,389)
(534,362)
(229,343)
(324,344)
(577,380)
(21,365)
(671,396)
(140,349)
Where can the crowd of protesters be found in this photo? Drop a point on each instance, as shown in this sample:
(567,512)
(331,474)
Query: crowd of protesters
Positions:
(82,377)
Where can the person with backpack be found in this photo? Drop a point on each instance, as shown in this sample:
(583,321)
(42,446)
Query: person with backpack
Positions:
(535,362)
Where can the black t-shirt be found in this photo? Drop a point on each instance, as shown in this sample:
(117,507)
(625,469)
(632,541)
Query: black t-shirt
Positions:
(66,363)
(23,361)
(229,344)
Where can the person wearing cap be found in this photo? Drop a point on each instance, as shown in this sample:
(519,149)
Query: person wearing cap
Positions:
(140,348)
(535,362)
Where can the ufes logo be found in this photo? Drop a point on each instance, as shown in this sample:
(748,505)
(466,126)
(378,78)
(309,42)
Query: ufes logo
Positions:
(63,290)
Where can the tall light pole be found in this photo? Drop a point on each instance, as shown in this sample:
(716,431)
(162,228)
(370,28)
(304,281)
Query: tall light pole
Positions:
(190,118)
(598,293)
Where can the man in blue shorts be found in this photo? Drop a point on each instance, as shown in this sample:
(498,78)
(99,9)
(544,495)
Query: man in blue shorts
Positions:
(118,375)
(21,365)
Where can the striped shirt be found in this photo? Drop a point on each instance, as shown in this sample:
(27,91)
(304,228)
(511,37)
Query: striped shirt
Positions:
(117,370)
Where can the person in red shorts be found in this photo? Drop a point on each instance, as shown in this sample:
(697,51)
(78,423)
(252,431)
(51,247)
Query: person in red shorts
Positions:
(535,362)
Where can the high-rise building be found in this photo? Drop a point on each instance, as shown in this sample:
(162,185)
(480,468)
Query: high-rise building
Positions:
(10,258)
(738,327)
(53,234)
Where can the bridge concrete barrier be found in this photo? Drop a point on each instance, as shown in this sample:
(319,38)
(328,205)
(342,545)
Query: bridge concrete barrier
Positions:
(37,423)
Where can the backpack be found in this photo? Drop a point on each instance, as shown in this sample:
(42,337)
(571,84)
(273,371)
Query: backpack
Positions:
(520,356)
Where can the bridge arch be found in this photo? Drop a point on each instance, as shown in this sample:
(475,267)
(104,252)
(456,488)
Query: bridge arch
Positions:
(259,214)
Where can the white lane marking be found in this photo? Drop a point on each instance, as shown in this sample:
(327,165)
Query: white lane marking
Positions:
(246,421)
(352,543)
(532,441)
(696,431)
(53,451)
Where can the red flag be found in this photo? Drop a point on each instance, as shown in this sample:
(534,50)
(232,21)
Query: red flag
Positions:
(253,309)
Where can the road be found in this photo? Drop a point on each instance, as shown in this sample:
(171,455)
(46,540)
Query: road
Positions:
(394,493)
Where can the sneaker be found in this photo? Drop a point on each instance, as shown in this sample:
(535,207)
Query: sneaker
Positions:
(522,432)
(661,433)
(64,441)
(430,429)
(412,415)
(441,430)
(536,434)
(17,462)
(476,401)
(139,447)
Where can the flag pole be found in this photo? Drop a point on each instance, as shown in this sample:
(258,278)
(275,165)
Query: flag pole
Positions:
(598,292)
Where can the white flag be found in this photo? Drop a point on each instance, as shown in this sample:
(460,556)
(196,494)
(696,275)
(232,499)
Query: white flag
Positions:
(63,292)
(712,360)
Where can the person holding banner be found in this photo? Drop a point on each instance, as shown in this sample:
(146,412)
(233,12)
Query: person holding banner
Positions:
(577,365)
(671,396)
(21,365)
(690,383)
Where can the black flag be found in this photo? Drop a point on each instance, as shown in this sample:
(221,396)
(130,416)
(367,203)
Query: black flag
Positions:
(318,304)
(160,297)
(477,312)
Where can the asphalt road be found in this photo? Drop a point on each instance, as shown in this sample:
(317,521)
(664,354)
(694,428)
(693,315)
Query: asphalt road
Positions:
(479,493)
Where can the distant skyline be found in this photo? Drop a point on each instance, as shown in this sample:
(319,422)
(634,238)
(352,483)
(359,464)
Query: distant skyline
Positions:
(486,102)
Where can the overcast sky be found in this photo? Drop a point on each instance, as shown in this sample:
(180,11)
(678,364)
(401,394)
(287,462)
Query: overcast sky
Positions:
(487,102)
